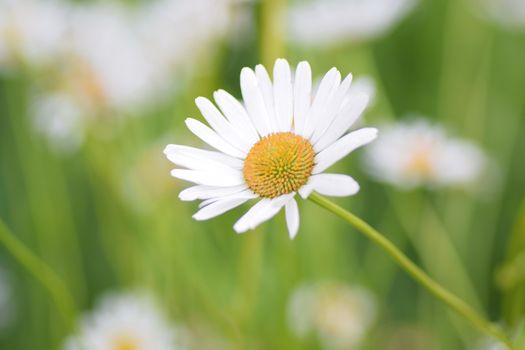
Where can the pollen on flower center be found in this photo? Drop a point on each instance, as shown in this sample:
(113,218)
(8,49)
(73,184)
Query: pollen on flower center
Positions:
(278,164)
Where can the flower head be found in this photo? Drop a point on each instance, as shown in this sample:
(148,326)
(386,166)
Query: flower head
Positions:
(338,314)
(411,154)
(278,143)
(31,31)
(325,22)
(124,322)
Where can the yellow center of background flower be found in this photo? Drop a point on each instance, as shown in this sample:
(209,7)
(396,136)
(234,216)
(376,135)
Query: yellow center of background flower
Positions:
(126,343)
(278,164)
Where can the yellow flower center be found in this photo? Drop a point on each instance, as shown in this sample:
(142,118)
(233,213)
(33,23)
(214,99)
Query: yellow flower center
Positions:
(278,164)
(420,163)
(125,343)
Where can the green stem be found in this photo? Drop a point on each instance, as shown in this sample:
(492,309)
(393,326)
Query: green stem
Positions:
(271,28)
(413,270)
(42,272)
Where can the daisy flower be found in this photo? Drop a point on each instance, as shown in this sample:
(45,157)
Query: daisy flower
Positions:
(326,22)
(417,153)
(31,31)
(124,322)
(338,314)
(275,145)
(120,60)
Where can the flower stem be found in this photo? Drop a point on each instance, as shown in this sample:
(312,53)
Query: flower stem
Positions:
(413,270)
(42,272)
(271,28)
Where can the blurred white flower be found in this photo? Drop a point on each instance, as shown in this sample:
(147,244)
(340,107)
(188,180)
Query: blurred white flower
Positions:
(107,65)
(417,153)
(326,22)
(125,322)
(175,32)
(119,60)
(338,314)
(31,31)
(59,120)
(507,13)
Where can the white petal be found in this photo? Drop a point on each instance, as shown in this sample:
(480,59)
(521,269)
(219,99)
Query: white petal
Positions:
(327,88)
(292,218)
(342,147)
(208,178)
(337,185)
(211,138)
(207,192)
(266,87)
(185,155)
(343,121)
(236,114)
(283,94)
(218,207)
(306,191)
(264,210)
(334,106)
(254,102)
(302,95)
(247,194)
(223,128)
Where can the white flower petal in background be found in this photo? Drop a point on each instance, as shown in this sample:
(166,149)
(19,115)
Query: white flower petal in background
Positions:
(31,31)
(417,153)
(125,321)
(327,22)
(339,315)
(175,32)
(280,141)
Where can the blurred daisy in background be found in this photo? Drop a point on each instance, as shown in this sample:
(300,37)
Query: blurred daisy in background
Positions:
(417,153)
(163,28)
(338,314)
(125,322)
(119,61)
(279,143)
(327,22)
(107,66)
(31,32)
